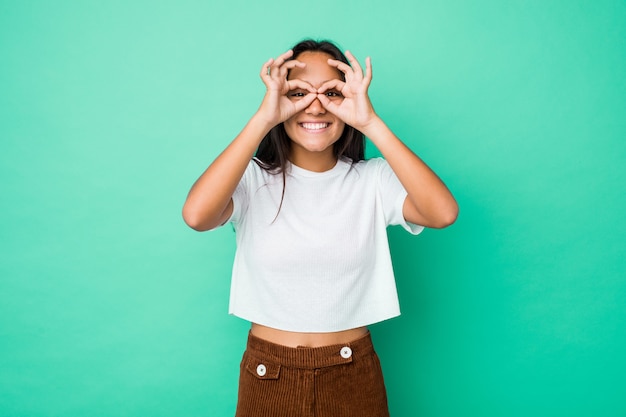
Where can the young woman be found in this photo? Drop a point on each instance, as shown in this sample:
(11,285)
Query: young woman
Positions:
(312,267)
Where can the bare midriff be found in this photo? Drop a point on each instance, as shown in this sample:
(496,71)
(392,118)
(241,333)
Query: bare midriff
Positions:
(297,339)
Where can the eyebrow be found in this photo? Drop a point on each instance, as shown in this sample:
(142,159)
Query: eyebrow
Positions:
(323,82)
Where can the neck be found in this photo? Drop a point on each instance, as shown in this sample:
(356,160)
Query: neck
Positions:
(316,163)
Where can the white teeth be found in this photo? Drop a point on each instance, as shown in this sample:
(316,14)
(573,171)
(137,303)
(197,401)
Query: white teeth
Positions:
(314,126)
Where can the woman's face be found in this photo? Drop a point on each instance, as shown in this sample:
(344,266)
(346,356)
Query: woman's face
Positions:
(314,130)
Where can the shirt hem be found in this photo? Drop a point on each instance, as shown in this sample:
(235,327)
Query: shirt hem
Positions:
(316,329)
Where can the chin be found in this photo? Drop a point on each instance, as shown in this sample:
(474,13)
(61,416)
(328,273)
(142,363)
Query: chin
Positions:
(317,147)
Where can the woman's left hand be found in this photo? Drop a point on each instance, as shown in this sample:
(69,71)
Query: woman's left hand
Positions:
(348,99)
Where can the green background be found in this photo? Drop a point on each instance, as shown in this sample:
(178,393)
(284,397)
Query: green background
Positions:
(111,306)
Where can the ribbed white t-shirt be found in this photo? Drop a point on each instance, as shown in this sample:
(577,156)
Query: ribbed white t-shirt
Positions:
(321,264)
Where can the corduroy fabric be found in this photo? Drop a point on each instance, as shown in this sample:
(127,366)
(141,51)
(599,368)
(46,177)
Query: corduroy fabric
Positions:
(280,381)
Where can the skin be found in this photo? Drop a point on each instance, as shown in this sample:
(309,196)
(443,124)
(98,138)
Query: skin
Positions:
(313,149)
(315,93)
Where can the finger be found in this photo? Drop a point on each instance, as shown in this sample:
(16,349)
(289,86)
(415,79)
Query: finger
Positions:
(343,67)
(283,57)
(304,102)
(288,66)
(293,63)
(275,64)
(298,83)
(265,69)
(368,69)
(354,63)
(331,85)
(328,104)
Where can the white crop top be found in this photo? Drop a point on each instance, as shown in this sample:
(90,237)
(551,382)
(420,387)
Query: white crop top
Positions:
(321,264)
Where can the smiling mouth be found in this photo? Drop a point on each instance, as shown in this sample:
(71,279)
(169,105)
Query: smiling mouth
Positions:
(314,127)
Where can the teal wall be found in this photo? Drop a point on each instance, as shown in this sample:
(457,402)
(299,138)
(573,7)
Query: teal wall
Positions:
(111,306)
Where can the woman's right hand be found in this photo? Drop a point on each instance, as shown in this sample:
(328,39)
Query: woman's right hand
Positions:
(209,203)
(277,106)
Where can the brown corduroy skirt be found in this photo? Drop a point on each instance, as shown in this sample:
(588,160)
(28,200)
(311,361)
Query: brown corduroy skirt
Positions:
(343,380)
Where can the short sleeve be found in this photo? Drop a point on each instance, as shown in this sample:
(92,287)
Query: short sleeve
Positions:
(393,195)
(241,195)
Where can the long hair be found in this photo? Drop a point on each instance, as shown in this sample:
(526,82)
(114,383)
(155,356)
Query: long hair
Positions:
(273,151)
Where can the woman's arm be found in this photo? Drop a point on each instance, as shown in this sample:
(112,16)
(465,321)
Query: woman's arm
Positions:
(209,202)
(429,202)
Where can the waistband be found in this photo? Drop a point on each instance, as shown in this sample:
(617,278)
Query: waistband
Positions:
(311,357)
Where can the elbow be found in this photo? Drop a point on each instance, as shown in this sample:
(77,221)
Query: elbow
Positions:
(443,223)
(201,217)
(193,220)
(438,216)
(446,218)
(196,226)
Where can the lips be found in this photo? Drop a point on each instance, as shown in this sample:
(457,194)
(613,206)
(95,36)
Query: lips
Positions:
(314,127)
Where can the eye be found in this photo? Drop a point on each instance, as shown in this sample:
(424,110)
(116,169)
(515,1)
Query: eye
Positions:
(333,94)
(296,94)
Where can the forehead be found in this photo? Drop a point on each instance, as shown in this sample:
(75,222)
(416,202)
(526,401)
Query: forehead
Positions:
(317,69)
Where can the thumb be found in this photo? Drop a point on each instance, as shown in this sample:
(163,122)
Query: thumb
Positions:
(304,102)
(327,103)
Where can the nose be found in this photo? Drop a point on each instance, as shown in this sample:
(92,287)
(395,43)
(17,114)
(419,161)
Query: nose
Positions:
(315,108)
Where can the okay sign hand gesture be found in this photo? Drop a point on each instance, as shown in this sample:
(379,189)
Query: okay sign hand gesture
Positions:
(276,106)
(356,108)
